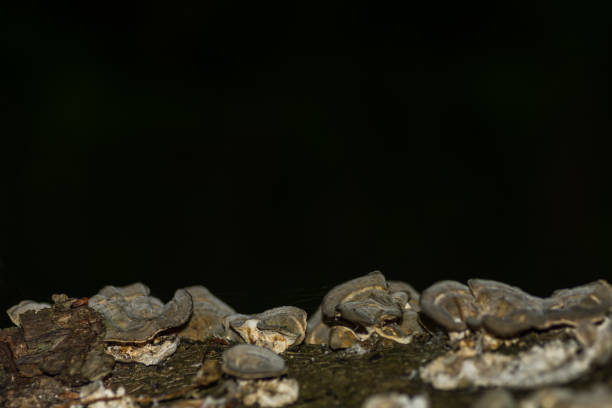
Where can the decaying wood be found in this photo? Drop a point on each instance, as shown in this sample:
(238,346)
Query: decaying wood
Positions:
(57,350)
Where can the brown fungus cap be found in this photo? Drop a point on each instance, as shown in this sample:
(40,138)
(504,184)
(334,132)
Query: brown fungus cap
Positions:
(450,304)
(505,311)
(357,288)
(132,316)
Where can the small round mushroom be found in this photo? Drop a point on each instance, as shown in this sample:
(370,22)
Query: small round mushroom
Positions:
(248,362)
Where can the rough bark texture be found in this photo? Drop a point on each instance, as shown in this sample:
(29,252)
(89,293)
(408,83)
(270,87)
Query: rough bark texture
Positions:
(43,363)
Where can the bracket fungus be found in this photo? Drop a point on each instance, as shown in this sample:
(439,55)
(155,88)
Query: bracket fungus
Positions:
(590,302)
(341,337)
(132,316)
(317,332)
(506,311)
(379,307)
(134,321)
(358,288)
(206,321)
(352,312)
(498,336)
(398,287)
(449,304)
(276,329)
(552,363)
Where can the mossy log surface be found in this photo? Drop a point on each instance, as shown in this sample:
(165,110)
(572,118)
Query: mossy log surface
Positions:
(326,378)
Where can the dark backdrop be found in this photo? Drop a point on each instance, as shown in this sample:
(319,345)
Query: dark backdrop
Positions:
(269,153)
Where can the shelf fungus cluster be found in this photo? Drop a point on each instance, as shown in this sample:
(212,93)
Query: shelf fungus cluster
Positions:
(363,309)
(506,311)
(452,336)
(494,310)
(276,329)
(135,322)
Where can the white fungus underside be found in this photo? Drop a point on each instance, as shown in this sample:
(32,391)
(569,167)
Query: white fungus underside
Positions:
(554,363)
(269,339)
(396,400)
(269,393)
(147,354)
(96,392)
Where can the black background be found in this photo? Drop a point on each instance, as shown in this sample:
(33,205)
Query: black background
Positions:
(270,152)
